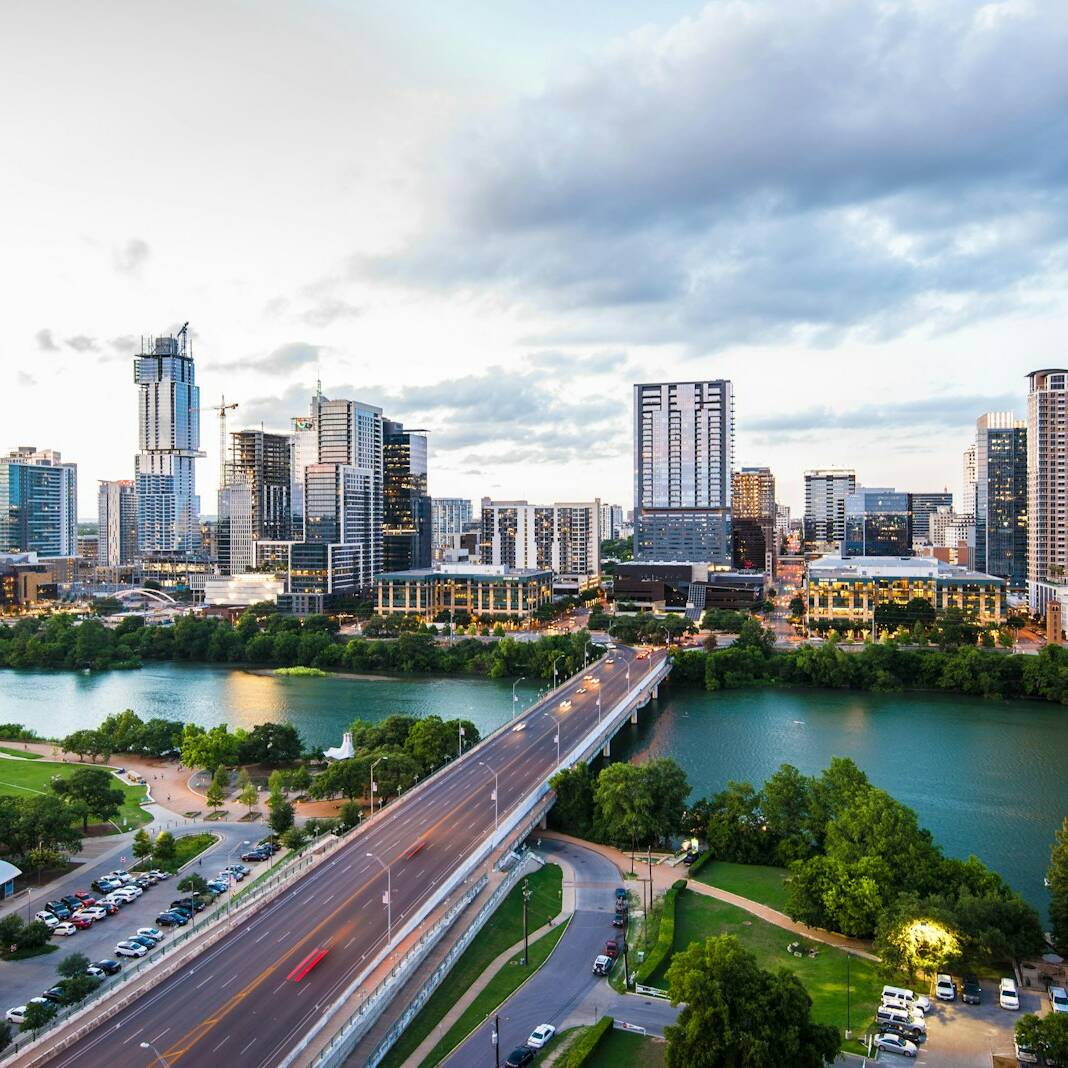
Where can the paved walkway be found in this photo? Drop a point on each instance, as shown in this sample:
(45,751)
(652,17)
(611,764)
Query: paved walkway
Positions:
(664,875)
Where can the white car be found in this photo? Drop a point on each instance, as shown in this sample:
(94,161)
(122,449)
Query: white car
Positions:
(540,1036)
(945,988)
(127,893)
(92,912)
(95,972)
(895,1044)
(519,727)
(64,929)
(581,689)
(159,874)
(50,921)
(130,949)
(565,705)
(1008,995)
(893,1001)
(18,1013)
(1058,999)
(151,932)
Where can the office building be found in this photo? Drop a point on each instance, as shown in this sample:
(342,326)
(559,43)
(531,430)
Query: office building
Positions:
(24,581)
(683,457)
(967,506)
(117,524)
(611,522)
(1047,485)
(564,538)
(234,532)
(782,521)
(876,523)
(263,462)
(826,490)
(481,590)
(1001,497)
(753,519)
(304,452)
(407,537)
(168,437)
(449,516)
(845,592)
(38,503)
(921,505)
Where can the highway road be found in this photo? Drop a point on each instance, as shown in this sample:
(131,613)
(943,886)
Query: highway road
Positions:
(234,1002)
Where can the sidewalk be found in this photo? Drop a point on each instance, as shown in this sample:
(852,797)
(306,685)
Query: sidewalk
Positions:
(664,876)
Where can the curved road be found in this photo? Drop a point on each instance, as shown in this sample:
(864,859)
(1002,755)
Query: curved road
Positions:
(235,1003)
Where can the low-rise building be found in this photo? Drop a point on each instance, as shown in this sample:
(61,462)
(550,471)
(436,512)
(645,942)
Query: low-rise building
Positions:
(248,588)
(846,591)
(24,581)
(479,589)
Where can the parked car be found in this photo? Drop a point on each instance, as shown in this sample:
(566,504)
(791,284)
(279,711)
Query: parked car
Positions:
(57,908)
(104,885)
(172,919)
(94,912)
(83,923)
(64,929)
(152,932)
(85,897)
(160,874)
(619,919)
(895,1044)
(56,995)
(611,948)
(218,886)
(945,988)
(1058,999)
(541,1035)
(520,1057)
(189,903)
(130,949)
(143,940)
(972,993)
(690,857)
(894,1001)
(109,907)
(49,919)
(918,1000)
(18,1014)
(108,966)
(900,1022)
(1008,995)
(71,902)
(602,965)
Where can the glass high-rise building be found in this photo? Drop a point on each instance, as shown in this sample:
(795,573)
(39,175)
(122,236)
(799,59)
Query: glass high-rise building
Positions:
(448,516)
(117,524)
(1001,497)
(683,457)
(753,519)
(876,523)
(406,508)
(826,490)
(38,503)
(168,438)
(1047,485)
(921,507)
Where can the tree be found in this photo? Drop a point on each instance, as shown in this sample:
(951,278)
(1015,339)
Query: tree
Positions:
(221,779)
(300,779)
(915,939)
(79,987)
(141,846)
(34,935)
(573,810)
(1047,1036)
(10,928)
(165,849)
(668,789)
(787,800)
(214,796)
(349,778)
(277,783)
(737,1015)
(430,742)
(94,789)
(193,884)
(209,748)
(38,1015)
(272,743)
(243,778)
(1058,889)
(293,838)
(623,806)
(281,818)
(248,797)
(350,813)
(73,964)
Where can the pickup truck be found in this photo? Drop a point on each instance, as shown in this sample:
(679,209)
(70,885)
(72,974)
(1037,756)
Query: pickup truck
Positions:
(602,965)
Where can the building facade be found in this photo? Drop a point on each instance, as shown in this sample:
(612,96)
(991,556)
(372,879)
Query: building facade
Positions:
(876,523)
(407,537)
(1047,485)
(117,524)
(826,490)
(921,505)
(168,438)
(478,589)
(38,503)
(1001,497)
(970,472)
(263,462)
(683,458)
(846,591)
(753,536)
(611,522)
(449,516)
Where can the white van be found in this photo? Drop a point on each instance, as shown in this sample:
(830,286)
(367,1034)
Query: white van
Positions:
(918,1000)
(895,1001)
(904,1021)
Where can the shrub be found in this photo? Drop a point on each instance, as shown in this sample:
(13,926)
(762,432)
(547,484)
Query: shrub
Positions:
(586,1044)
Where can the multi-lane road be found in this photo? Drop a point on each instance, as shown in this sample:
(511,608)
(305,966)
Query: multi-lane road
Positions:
(234,1002)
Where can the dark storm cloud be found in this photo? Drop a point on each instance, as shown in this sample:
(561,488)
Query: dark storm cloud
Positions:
(769,168)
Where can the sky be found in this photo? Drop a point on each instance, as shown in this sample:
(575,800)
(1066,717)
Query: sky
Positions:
(492,219)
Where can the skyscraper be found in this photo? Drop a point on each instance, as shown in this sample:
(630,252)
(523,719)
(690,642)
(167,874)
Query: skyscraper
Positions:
(876,523)
(921,505)
(168,437)
(753,519)
(826,490)
(448,516)
(38,503)
(968,500)
(406,518)
(1047,485)
(262,461)
(117,524)
(611,522)
(1001,497)
(683,456)
(235,528)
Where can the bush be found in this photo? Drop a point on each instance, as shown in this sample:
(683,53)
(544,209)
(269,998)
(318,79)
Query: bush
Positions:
(583,1048)
(666,937)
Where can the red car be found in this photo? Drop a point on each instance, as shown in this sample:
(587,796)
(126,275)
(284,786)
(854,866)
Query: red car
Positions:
(83,923)
(85,898)
(611,948)
(109,907)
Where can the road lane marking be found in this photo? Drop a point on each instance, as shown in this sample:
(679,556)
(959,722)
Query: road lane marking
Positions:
(228,982)
(160,1035)
(133,1036)
(207,979)
(221,1044)
(247,1048)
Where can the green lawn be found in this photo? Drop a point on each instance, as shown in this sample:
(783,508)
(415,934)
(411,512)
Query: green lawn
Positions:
(502,930)
(23,778)
(824,976)
(24,754)
(621,1049)
(753,881)
(186,848)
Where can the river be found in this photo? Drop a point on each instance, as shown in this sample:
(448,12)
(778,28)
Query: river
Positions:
(986,777)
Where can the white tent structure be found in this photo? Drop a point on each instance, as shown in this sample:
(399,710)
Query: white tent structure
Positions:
(343,751)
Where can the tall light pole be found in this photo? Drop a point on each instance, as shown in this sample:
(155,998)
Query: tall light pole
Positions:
(389,899)
(374,764)
(558,658)
(483,764)
(514,697)
(459,740)
(231,879)
(598,706)
(553,718)
(586,652)
(159,1056)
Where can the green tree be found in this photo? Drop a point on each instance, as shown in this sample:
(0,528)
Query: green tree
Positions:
(293,838)
(221,779)
(914,939)
(668,789)
(34,935)
(1058,889)
(281,818)
(277,782)
(300,779)
(349,778)
(787,797)
(78,987)
(573,809)
(243,778)
(38,1016)
(193,884)
(623,806)
(1047,1036)
(430,742)
(350,813)
(736,827)
(10,928)
(164,850)
(214,796)
(94,789)
(737,1015)
(273,743)
(73,964)
(141,846)
(248,797)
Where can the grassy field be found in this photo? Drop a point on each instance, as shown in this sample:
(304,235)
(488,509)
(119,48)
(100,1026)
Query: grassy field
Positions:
(753,881)
(823,976)
(502,930)
(23,754)
(620,1049)
(24,778)
(186,848)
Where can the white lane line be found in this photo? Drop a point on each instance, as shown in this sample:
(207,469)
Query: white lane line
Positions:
(221,1044)
(228,982)
(247,1048)
(160,1035)
(349,942)
(330,898)
(346,868)
(283,936)
(365,904)
(133,1036)
(207,979)
(262,936)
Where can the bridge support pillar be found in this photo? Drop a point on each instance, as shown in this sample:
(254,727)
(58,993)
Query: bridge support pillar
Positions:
(607,750)
(543,824)
(634,715)
(656,691)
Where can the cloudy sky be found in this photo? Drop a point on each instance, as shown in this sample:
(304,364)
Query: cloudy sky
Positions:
(493,218)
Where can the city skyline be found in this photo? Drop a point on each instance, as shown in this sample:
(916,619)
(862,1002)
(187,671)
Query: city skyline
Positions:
(882,253)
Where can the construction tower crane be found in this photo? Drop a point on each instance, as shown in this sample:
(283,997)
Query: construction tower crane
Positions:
(222,408)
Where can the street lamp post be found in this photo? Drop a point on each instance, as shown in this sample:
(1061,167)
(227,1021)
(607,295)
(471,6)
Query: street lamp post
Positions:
(555,721)
(374,763)
(159,1056)
(514,697)
(389,898)
(586,652)
(483,764)
(555,660)
(231,879)
(598,707)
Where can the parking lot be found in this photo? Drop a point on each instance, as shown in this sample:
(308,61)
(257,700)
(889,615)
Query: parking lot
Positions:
(21,980)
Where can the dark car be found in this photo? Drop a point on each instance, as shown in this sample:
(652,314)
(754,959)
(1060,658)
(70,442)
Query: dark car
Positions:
(108,966)
(270,844)
(109,907)
(144,883)
(611,948)
(144,940)
(973,992)
(105,886)
(71,902)
(255,855)
(690,858)
(520,1058)
(171,919)
(57,908)
(57,995)
(619,919)
(189,903)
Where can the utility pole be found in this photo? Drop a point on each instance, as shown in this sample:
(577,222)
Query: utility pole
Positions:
(626,963)
(849,1029)
(496,1038)
(526,943)
(459,741)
